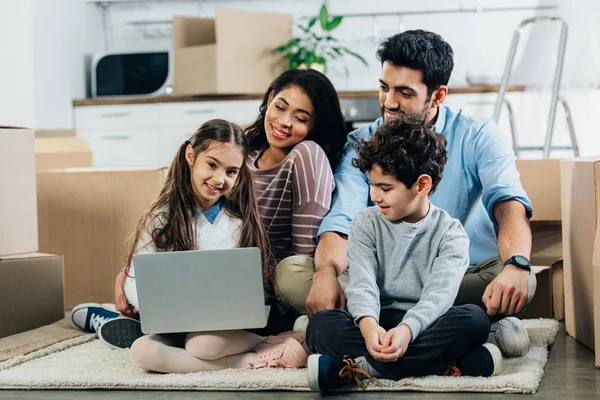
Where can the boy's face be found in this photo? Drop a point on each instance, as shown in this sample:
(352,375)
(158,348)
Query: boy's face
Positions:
(394,199)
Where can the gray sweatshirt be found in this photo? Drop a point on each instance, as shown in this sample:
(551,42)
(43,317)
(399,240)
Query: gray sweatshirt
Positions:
(396,265)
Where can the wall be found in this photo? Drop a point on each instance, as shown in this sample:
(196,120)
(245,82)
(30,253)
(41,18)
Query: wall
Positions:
(16,63)
(42,70)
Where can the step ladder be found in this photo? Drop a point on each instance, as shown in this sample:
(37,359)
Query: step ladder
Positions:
(556,98)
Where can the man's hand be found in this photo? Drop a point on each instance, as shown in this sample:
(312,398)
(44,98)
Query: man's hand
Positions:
(325,292)
(373,335)
(508,293)
(330,261)
(121,303)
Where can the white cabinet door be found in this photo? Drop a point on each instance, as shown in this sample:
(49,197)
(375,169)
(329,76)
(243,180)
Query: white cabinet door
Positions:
(116,117)
(241,112)
(124,148)
(170,140)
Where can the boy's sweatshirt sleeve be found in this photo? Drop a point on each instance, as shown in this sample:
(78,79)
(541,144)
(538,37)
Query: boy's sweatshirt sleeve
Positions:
(362,292)
(441,286)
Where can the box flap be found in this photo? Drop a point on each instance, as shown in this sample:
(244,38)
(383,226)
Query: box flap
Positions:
(61,145)
(27,256)
(102,169)
(52,133)
(193,31)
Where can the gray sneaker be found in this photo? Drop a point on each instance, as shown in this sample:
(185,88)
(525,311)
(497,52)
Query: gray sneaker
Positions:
(301,324)
(511,337)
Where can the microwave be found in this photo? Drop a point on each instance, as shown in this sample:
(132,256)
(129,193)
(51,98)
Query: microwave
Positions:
(129,74)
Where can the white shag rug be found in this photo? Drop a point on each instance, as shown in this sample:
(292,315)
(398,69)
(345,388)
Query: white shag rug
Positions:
(86,363)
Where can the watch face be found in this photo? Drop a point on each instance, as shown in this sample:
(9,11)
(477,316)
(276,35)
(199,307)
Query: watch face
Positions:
(521,260)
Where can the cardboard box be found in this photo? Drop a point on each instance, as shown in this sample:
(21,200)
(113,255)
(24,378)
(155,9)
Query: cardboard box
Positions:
(541,181)
(596,289)
(548,299)
(55,133)
(541,304)
(31,292)
(546,246)
(580,187)
(18,217)
(88,215)
(61,152)
(231,53)
(558,291)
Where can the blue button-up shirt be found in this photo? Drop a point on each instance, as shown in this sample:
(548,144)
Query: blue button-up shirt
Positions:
(480,171)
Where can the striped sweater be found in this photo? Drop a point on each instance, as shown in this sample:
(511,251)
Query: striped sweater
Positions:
(293,198)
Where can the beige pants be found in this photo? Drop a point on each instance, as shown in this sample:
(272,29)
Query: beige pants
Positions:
(293,280)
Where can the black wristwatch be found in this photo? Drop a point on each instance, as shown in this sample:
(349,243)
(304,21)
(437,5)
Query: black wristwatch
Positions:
(519,262)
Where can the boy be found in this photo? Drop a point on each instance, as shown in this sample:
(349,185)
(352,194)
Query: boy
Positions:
(407,258)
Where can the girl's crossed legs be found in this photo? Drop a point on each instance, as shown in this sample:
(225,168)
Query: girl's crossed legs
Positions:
(207,351)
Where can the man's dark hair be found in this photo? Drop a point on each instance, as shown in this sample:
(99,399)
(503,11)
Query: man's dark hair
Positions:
(420,50)
(405,149)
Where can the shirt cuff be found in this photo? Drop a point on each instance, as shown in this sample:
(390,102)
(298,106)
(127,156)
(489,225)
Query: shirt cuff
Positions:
(413,325)
(365,312)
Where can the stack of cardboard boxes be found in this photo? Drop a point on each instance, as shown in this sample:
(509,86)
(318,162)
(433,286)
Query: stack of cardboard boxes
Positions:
(580,184)
(31,283)
(541,181)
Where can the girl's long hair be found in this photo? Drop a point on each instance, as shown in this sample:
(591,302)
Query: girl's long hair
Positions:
(329,130)
(174,213)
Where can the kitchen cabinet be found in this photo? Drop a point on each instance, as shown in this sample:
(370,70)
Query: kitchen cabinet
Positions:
(149,134)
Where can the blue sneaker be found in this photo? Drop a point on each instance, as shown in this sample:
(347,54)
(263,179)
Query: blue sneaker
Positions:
(485,360)
(327,373)
(90,316)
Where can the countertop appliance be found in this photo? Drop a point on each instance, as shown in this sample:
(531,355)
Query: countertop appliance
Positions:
(129,74)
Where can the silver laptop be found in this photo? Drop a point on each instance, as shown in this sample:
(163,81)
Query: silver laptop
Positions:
(200,290)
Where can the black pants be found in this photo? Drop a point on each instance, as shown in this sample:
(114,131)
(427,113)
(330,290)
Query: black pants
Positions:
(453,336)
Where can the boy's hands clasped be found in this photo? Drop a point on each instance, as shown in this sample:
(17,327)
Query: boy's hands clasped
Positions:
(385,346)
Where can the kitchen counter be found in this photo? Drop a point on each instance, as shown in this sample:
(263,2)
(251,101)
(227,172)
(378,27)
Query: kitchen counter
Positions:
(177,99)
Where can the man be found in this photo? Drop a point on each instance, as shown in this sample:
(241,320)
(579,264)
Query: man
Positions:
(480,187)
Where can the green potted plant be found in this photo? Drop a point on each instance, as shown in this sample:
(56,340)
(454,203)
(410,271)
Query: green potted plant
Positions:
(314,50)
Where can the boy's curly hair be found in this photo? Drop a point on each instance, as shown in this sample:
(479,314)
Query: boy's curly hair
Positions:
(405,149)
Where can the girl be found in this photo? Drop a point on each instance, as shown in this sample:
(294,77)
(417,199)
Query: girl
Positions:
(297,138)
(206,203)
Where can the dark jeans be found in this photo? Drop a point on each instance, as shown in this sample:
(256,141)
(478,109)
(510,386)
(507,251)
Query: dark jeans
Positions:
(452,337)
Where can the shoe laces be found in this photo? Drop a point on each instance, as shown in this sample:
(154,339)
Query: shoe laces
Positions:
(97,321)
(452,370)
(350,372)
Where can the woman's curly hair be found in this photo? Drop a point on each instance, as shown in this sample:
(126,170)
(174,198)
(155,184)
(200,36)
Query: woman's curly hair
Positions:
(406,149)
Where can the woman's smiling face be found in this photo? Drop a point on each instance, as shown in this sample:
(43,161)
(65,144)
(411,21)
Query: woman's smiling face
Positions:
(289,118)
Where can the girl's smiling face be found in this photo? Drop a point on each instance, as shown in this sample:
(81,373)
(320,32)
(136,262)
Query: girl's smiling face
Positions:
(214,171)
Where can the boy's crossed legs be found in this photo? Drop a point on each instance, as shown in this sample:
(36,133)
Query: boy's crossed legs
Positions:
(453,338)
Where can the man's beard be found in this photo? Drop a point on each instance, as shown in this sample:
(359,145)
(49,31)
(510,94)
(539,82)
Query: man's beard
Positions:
(399,114)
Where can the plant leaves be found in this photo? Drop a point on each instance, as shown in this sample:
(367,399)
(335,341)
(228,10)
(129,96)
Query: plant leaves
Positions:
(324,17)
(334,23)
(347,50)
(312,23)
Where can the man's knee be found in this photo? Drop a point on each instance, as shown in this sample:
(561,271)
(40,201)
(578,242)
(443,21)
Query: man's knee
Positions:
(532,286)
(293,280)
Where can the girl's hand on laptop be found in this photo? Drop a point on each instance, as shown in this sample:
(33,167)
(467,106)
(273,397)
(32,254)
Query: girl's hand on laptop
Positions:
(395,342)
(373,335)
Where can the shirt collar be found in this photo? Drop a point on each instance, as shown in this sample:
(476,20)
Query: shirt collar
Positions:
(212,213)
(440,123)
